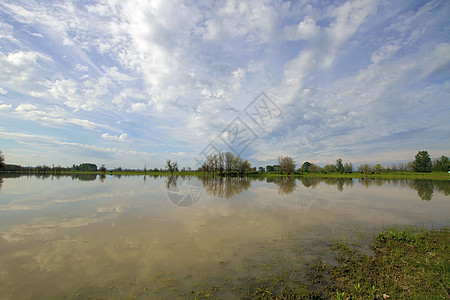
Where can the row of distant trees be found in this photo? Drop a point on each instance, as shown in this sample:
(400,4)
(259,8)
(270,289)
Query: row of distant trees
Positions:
(421,163)
(225,164)
(44,169)
(229,164)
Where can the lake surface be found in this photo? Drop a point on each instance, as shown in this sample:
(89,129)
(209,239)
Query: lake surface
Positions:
(166,237)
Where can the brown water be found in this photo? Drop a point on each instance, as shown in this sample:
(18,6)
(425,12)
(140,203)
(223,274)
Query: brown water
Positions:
(163,237)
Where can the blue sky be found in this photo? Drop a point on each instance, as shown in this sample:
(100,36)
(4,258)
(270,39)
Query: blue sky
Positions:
(133,83)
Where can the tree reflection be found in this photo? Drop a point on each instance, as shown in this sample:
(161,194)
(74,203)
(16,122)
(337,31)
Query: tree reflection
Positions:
(171,182)
(442,186)
(424,188)
(1,182)
(310,181)
(84,177)
(339,182)
(367,182)
(225,187)
(286,185)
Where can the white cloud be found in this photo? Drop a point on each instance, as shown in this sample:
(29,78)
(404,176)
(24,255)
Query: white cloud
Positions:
(385,52)
(6,32)
(20,70)
(25,107)
(347,19)
(3,91)
(114,138)
(5,106)
(339,71)
(138,107)
(54,117)
(306,29)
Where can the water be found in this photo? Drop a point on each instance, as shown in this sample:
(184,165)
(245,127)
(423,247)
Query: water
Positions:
(163,237)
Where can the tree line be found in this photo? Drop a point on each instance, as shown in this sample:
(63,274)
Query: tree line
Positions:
(421,163)
(227,164)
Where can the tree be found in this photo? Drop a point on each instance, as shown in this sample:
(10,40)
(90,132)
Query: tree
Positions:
(305,167)
(365,168)
(87,167)
(442,164)
(314,168)
(377,168)
(287,164)
(102,168)
(339,166)
(329,168)
(422,162)
(348,167)
(228,162)
(270,168)
(172,166)
(2,160)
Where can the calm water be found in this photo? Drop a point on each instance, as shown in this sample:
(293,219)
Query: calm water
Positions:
(165,237)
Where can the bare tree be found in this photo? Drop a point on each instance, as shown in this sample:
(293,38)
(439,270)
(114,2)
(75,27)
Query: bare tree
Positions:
(228,162)
(172,166)
(365,168)
(220,162)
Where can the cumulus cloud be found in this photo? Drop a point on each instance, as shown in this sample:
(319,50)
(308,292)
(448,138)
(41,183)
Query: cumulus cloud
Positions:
(20,70)
(5,106)
(114,138)
(341,72)
(305,29)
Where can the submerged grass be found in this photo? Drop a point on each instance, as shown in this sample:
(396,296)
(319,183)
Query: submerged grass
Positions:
(405,263)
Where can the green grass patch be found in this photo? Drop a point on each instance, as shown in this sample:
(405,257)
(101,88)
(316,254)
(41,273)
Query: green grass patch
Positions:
(385,175)
(408,263)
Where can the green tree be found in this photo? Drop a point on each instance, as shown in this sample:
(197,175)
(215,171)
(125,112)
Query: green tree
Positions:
(314,168)
(2,160)
(422,162)
(287,164)
(102,168)
(339,166)
(305,167)
(270,168)
(377,168)
(87,167)
(329,168)
(442,164)
(348,167)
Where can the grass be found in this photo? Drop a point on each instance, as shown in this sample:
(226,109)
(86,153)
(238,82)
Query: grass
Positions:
(408,263)
(384,175)
(405,263)
(387,175)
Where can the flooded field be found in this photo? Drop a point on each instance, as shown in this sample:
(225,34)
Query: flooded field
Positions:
(166,237)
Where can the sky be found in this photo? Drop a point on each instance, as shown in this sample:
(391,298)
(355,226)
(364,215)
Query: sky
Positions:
(134,83)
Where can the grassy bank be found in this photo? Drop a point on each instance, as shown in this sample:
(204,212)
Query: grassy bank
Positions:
(408,264)
(405,264)
(388,175)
